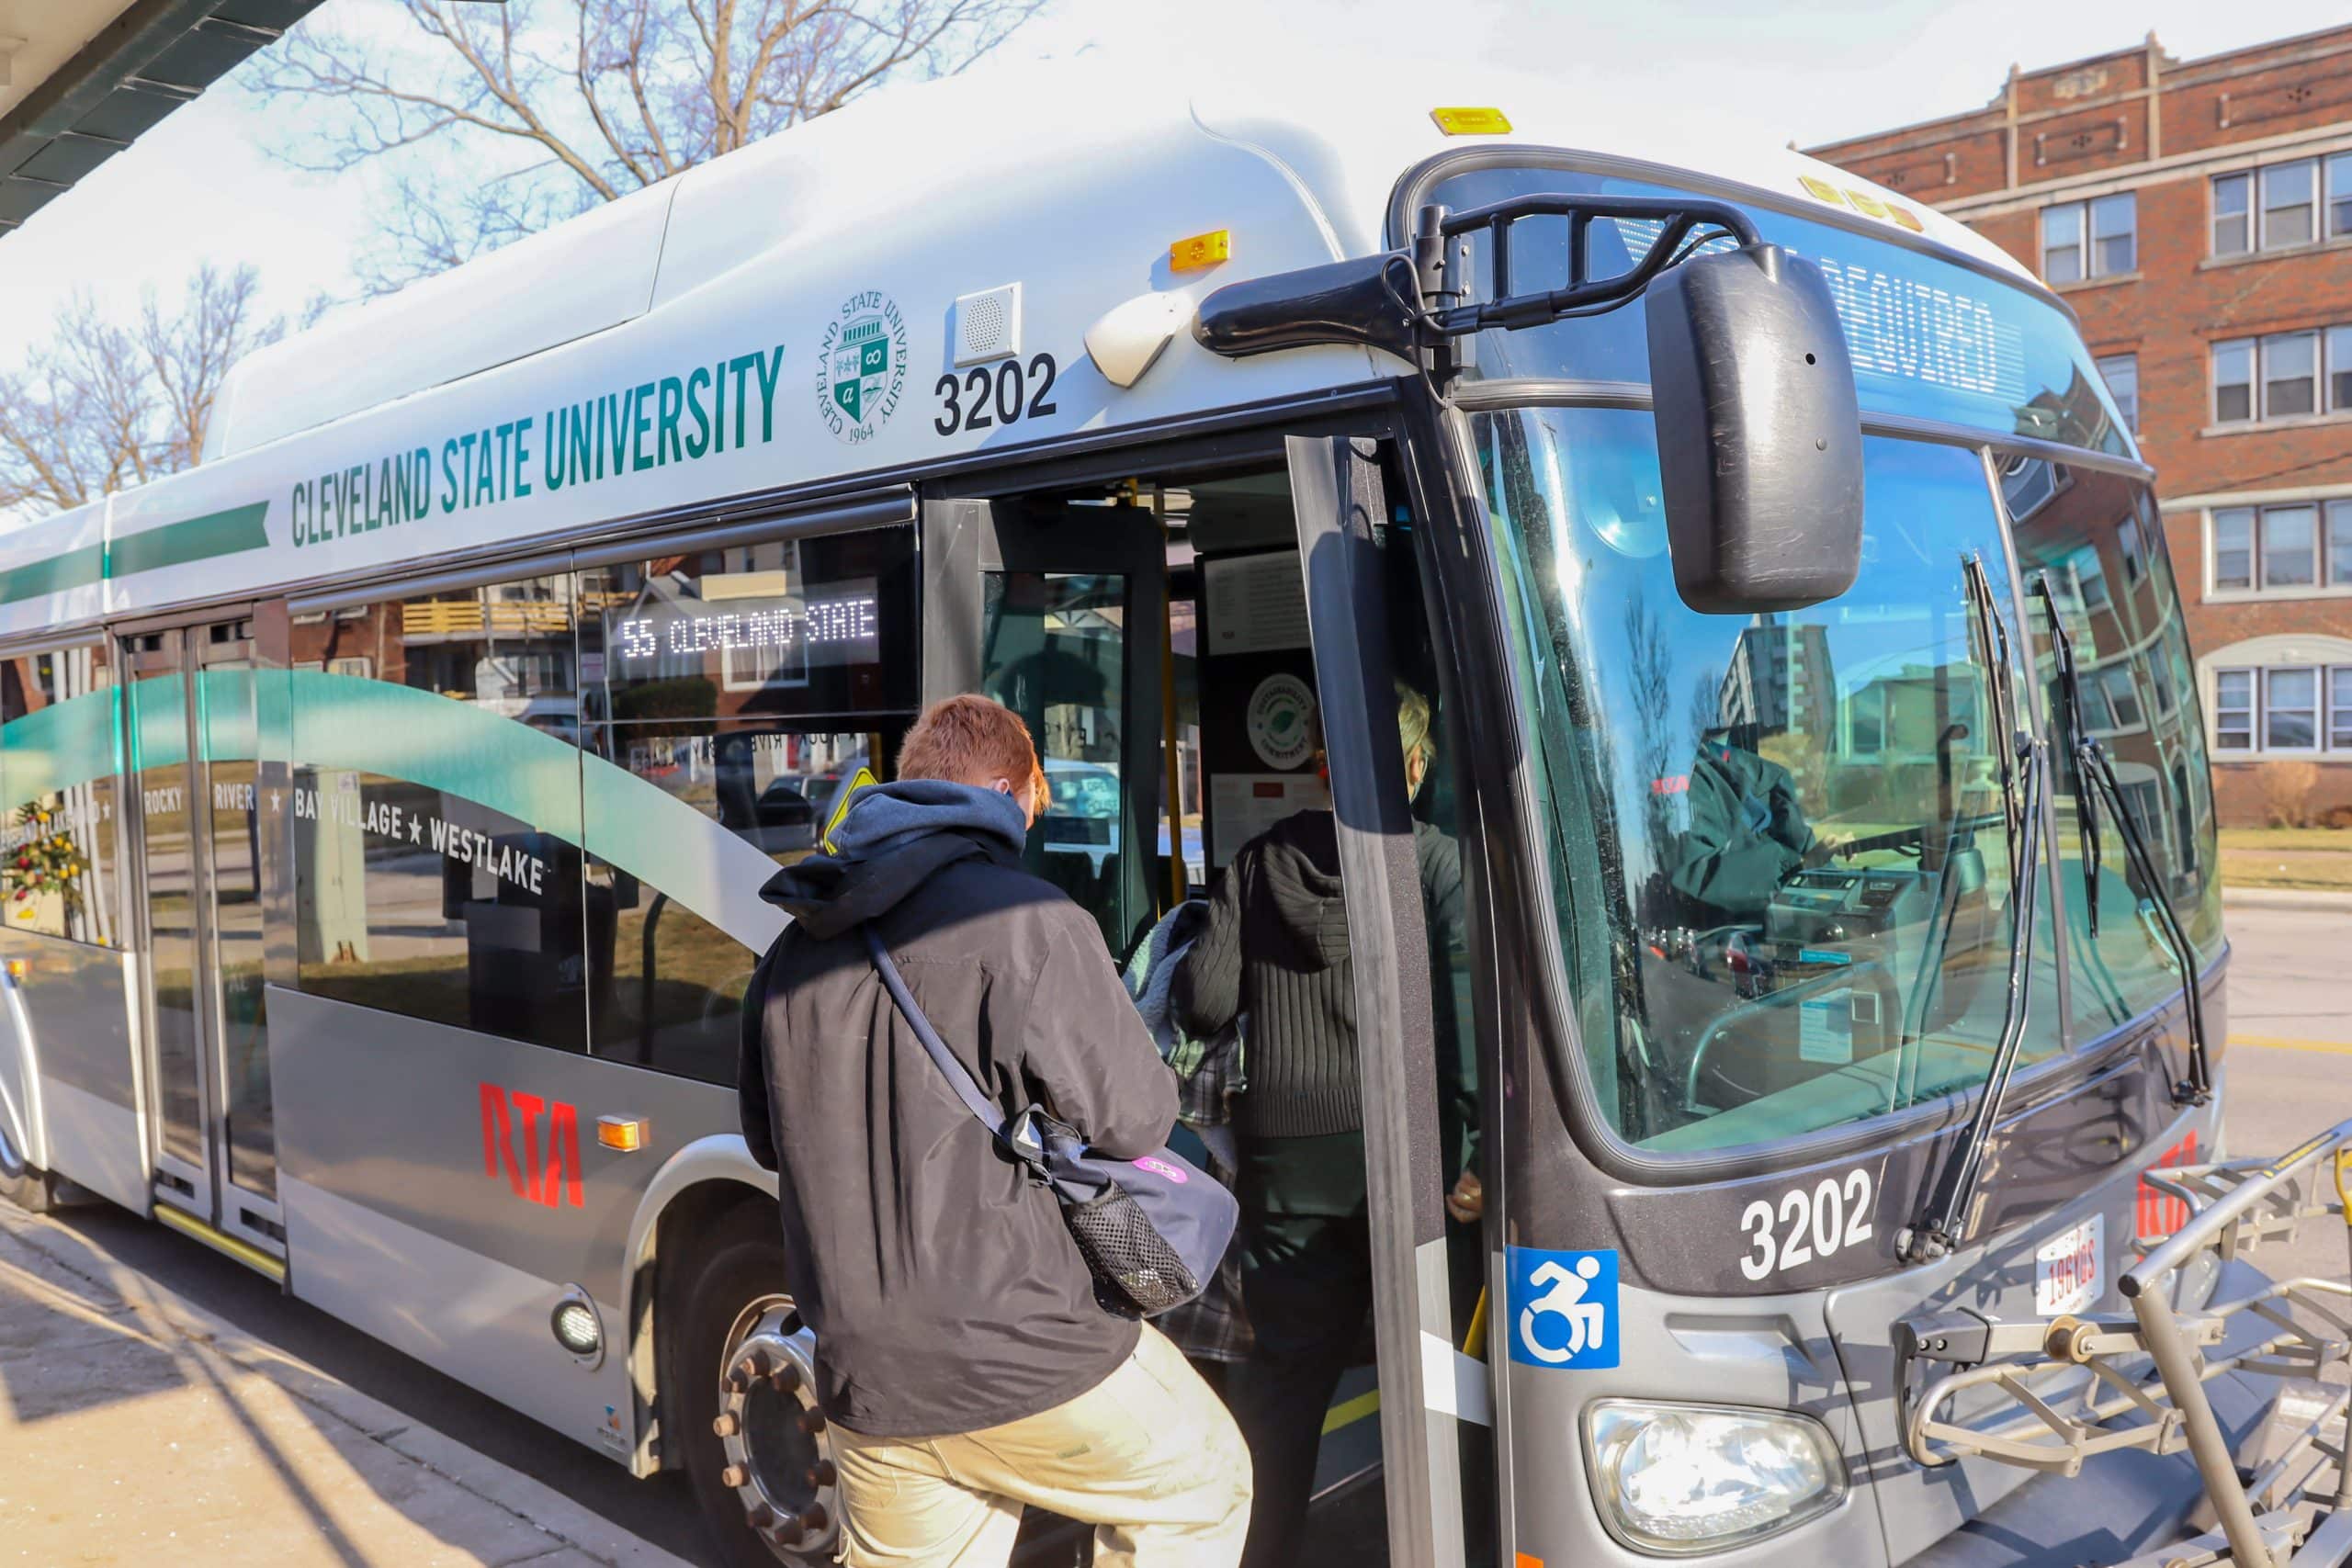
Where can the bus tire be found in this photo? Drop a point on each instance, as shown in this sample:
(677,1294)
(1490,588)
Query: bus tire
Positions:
(734,1296)
(31,1190)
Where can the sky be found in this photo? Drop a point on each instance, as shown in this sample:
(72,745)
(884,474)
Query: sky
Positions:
(207,183)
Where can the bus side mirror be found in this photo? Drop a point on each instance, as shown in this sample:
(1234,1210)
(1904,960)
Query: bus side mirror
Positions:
(1759,440)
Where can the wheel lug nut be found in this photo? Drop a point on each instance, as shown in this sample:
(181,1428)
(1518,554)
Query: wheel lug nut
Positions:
(727,1425)
(734,1475)
(785,1378)
(762,1517)
(753,1367)
(823,1473)
(735,1381)
(811,1419)
(813,1517)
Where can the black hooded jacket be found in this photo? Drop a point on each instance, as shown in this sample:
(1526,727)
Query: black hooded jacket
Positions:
(941,1284)
(1276,951)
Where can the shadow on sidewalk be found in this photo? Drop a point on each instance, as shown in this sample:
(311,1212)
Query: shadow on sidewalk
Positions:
(79,1332)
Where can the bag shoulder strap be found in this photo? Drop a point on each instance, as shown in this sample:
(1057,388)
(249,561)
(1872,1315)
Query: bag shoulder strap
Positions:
(934,1047)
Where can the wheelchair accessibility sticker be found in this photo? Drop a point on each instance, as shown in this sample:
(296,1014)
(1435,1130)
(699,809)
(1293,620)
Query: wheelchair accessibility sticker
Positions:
(1563,1308)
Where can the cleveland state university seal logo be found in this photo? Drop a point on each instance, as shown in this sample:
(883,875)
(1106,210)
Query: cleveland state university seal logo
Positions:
(861,366)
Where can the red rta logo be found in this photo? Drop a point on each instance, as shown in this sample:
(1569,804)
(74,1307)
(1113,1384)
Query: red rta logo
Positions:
(2161,1214)
(542,1165)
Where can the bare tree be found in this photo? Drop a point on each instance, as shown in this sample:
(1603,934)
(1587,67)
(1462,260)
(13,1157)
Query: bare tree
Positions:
(103,404)
(592,100)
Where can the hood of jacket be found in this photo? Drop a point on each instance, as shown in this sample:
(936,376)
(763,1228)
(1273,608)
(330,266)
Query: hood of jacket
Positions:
(895,837)
(1298,869)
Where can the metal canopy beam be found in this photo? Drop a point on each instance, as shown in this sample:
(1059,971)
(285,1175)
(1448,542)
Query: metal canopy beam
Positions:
(153,58)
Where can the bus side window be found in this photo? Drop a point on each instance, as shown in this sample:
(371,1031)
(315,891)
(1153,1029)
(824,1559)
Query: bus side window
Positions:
(736,698)
(667,982)
(435,808)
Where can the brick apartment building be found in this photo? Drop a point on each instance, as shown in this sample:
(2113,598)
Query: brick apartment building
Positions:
(2196,215)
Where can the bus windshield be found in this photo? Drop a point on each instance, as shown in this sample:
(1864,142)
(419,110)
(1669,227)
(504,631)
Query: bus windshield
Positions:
(1782,843)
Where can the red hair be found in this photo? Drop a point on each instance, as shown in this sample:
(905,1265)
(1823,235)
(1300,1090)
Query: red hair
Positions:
(972,739)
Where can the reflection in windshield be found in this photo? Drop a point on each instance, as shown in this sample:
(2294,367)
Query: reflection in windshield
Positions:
(1794,827)
(2094,540)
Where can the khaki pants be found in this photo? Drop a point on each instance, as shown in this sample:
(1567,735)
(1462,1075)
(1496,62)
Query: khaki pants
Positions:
(1147,1456)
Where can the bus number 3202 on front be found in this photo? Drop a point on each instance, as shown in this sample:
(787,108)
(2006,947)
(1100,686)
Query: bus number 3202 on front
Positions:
(1806,1223)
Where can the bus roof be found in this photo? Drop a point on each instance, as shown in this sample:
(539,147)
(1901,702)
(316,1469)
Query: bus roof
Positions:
(789,313)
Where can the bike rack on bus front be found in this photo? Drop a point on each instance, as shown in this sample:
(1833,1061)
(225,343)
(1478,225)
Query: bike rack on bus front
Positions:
(2046,1391)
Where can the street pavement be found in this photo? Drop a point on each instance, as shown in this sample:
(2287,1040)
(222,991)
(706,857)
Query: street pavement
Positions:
(2289,1068)
(136,1427)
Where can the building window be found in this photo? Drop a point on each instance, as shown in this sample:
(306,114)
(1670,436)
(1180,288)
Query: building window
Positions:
(2281,206)
(2121,374)
(2290,548)
(2233,214)
(2290,374)
(2288,208)
(2283,709)
(2122,697)
(2234,710)
(2127,544)
(2290,709)
(2233,382)
(2302,373)
(2233,547)
(2090,239)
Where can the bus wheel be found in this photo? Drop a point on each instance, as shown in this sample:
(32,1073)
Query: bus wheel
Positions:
(755,1441)
(20,1184)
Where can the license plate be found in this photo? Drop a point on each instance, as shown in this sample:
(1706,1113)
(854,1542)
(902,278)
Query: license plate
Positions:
(2070,1268)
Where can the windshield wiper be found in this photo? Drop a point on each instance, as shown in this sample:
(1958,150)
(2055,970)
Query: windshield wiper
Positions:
(1989,643)
(1944,1216)
(2095,778)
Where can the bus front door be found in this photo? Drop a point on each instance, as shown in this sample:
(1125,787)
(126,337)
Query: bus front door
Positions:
(1055,610)
(191,735)
(1270,609)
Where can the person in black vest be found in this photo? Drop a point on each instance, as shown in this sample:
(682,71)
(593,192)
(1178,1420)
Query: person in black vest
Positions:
(1275,949)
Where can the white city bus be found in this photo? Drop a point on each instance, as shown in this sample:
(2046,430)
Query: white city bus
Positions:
(391,797)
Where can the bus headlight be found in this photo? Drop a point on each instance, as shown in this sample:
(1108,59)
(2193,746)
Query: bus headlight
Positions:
(1690,1478)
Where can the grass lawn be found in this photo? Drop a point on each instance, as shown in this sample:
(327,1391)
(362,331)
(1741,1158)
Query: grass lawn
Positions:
(2287,857)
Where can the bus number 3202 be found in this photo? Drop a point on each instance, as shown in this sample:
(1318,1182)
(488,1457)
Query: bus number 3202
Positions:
(1806,1223)
(995,394)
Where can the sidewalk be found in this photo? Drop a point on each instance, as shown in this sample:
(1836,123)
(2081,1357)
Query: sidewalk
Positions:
(2315,900)
(137,1428)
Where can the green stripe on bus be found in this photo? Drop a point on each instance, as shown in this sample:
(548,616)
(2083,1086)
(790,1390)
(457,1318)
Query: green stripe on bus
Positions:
(58,747)
(58,574)
(200,539)
(238,529)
